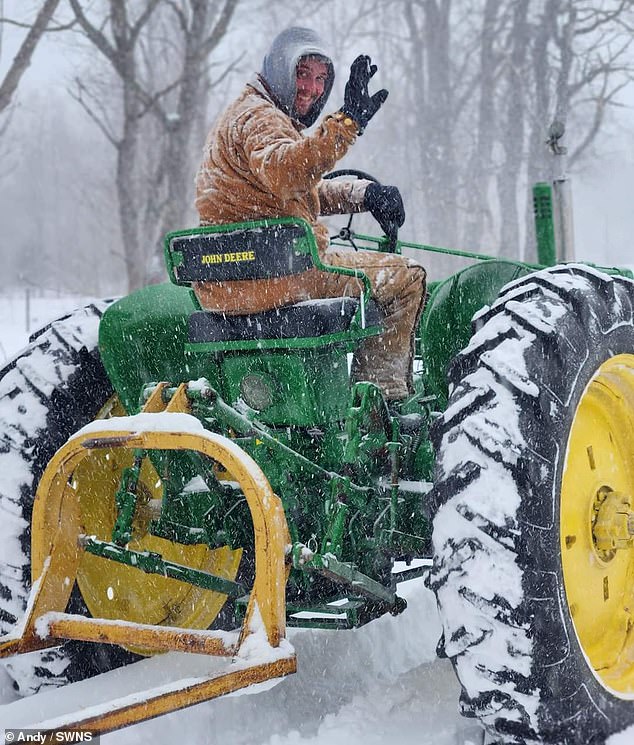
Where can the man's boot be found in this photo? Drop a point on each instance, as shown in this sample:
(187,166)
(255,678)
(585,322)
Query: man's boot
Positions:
(410,424)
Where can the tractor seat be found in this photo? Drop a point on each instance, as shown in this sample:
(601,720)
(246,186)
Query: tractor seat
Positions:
(308,319)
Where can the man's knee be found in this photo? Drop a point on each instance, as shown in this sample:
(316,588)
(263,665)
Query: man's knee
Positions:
(414,279)
(419,274)
(410,268)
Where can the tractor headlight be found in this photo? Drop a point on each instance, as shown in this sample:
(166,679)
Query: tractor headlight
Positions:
(257,391)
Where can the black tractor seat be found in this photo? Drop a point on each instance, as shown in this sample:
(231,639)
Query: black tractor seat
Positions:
(308,319)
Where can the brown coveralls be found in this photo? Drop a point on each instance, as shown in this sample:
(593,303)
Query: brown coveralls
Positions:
(257,164)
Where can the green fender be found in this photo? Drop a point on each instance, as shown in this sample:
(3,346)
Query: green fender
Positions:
(142,338)
(445,326)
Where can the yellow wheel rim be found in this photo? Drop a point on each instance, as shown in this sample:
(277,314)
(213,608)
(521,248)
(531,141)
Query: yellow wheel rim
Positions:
(597,523)
(115,591)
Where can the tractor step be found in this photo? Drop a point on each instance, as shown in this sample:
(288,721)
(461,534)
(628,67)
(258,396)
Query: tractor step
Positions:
(116,699)
(418,568)
(340,614)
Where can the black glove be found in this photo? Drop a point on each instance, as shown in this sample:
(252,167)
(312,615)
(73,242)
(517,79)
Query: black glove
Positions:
(386,206)
(359,105)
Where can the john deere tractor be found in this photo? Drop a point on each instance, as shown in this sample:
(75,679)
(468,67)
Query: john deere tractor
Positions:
(176,480)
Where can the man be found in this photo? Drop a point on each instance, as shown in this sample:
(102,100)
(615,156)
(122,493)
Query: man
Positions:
(258,163)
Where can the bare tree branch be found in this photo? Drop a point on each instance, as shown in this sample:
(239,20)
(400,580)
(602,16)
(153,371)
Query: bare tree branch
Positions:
(50,29)
(602,101)
(23,58)
(95,35)
(99,119)
(143,18)
(597,17)
(231,67)
(219,30)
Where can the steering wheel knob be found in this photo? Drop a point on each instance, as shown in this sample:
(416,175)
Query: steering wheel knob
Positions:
(345,234)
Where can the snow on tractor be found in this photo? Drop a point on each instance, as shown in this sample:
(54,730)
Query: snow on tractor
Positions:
(174,480)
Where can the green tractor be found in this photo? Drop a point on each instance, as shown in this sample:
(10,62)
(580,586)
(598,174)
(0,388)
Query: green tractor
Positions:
(179,480)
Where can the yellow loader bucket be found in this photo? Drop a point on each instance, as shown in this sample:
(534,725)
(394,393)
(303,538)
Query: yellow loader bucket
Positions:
(256,653)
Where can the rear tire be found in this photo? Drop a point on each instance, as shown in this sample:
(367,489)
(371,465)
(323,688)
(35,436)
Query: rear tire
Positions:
(56,385)
(526,590)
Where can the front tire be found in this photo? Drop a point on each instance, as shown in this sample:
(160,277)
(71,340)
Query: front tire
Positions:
(53,388)
(56,385)
(535,511)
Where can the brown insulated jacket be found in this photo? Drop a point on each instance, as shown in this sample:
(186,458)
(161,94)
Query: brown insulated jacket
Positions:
(258,164)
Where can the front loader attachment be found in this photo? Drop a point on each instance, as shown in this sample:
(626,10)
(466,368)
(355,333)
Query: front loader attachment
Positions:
(143,690)
(217,662)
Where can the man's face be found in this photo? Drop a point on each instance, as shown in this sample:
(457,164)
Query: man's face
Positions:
(311,77)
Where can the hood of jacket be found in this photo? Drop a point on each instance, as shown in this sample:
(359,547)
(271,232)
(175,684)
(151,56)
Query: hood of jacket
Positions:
(279,70)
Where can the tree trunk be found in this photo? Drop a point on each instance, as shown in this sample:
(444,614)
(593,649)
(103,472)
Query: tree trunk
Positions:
(154,154)
(512,135)
(439,164)
(480,168)
(538,168)
(135,250)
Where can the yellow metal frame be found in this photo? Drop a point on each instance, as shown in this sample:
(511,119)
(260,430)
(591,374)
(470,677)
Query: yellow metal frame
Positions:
(56,554)
(597,524)
(122,592)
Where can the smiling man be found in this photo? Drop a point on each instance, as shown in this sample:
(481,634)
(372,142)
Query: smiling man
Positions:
(312,75)
(258,162)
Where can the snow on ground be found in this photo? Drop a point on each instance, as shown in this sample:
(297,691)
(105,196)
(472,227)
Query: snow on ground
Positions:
(22,313)
(378,684)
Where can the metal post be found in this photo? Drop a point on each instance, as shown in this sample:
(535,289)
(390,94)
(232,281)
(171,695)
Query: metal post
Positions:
(27,309)
(562,194)
(544,224)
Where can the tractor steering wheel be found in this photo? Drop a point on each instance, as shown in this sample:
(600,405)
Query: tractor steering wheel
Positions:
(346,233)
